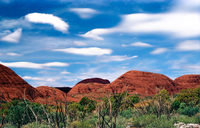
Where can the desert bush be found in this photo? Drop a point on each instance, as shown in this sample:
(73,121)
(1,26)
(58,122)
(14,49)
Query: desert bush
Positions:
(84,124)
(175,105)
(35,125)
(163,122)
(189,95)
(126,113)
(190,111)
(186,119)
(143,121)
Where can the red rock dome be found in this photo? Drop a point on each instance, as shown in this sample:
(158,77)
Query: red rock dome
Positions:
(13,86)
(188,81)
(144,83)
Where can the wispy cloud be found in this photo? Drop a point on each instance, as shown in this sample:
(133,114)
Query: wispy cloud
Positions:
(65,72)
(32,78)
(79,43)
(138,44)
(13,37)
(43,18)
(92,51)
(115,58)
(159,51)
(34,65)
(84,13)
(189,45)
(13,54)
(182,21)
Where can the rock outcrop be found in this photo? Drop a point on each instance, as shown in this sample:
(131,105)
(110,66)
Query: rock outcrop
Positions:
(188,81)
(51,95)
(91,88)
(13,86)
(143,83)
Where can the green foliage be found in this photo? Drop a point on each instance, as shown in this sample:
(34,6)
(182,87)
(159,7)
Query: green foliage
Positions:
(84,124)
(175,105)
(87,105)
(163,96)
(126,113)
(190,111)
(189,95)
(135,98)
(35,125)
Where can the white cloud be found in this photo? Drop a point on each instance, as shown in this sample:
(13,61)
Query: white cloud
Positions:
(194,68)
(65,72)
(176,24)
(13,37)
(50,80)
(79,43)
(159,51)
(71,80)
(189,45)
(34,65)
(43,18)
(138,44)
(115,58)
(92,51)
(91,36)
(84,13)
(32,78)
(13,54)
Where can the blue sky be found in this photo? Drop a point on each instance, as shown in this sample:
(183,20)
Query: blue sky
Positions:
(60,42)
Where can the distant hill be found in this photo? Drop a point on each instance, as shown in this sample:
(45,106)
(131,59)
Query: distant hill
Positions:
(134,82)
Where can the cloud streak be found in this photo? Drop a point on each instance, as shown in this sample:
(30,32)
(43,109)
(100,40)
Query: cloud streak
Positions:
(138,44)
(84,13)
(43,18)
(189,45)
(13,37)
(159,51)
(92,51)
(34,65)
(13,54)
(115,58)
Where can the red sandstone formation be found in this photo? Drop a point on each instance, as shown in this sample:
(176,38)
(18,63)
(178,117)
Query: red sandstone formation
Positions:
(188,81)
(88,86)
(95,80)
(13,86)
(51,95)
(144,83)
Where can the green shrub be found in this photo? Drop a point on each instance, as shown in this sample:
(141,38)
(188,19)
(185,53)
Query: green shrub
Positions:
(144,120)
(126,113)
(175,105)
(190,111)
(163,122)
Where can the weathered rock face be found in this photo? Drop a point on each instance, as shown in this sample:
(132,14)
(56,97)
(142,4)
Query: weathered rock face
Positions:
(88,86)
(144,83)
(188,81)
(13,86)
